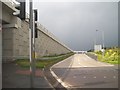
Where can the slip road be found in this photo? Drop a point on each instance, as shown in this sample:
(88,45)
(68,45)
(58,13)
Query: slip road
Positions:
(81,71)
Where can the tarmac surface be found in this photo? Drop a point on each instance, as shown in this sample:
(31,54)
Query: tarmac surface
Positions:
(85,72)
(77,74)
(13,76)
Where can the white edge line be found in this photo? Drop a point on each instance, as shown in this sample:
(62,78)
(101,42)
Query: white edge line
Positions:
(56,77)
(101,62)
(59,80)
(61,61)
(48,81)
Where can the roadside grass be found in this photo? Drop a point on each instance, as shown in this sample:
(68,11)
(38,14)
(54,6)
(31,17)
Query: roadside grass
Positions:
(54,55)
(111,55)
(25,63)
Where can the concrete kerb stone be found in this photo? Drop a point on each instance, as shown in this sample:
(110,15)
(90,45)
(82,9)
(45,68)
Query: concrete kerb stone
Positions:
(65,85)
(47,80)
(53,81)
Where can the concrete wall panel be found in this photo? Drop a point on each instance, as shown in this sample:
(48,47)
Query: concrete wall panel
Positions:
(15,39)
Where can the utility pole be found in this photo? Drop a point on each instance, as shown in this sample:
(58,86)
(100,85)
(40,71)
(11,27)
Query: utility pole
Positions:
(31,45)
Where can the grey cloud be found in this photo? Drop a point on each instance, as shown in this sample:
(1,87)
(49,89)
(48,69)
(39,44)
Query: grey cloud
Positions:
(74,23)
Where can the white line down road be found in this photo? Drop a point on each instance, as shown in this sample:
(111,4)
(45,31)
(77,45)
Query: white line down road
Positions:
(81,71)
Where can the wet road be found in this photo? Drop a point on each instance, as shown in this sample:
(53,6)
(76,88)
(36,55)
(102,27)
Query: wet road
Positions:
(81,71)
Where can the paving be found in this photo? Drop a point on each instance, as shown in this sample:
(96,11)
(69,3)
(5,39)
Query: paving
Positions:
(14,76)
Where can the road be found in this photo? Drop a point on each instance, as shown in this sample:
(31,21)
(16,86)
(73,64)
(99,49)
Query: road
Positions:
(81,71)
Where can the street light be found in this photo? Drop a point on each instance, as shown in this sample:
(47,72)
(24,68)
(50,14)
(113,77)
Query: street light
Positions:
(32,35)
(95,41)
(32,44)
(102,42)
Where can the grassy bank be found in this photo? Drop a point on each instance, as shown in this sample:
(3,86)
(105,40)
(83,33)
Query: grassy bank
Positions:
(42,63)
(111,56)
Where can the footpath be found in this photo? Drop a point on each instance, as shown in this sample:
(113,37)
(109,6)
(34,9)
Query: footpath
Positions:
(13,76)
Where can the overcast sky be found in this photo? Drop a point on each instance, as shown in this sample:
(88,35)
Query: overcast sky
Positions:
(75,23)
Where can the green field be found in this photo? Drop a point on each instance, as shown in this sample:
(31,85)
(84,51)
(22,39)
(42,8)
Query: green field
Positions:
(111,55)
(25,63)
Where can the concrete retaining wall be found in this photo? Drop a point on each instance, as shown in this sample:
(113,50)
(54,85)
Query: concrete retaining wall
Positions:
(15,37)
(16,42)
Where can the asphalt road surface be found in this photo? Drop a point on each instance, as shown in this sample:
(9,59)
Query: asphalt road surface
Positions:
(81,71)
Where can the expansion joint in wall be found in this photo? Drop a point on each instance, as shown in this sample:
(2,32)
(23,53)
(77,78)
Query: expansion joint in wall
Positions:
(10,26)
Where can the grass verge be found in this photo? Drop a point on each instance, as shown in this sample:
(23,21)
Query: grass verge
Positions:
(42,63)
(111,56)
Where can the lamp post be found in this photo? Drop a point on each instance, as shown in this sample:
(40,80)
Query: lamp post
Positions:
(95,40)
(31,44)
(32,35)
(103,43)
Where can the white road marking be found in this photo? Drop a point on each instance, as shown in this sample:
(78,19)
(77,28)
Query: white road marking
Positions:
(48,81)
(79,63)
(114,76)
(105,77)
(59,80)
(74,76)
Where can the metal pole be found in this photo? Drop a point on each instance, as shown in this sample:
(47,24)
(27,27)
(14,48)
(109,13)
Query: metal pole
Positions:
(103,38)
(103,41)
(96,37)
(33,34)
(95,42)
(31,44)
(1,45)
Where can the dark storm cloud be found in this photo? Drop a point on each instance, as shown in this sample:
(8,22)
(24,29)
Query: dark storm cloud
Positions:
(75,23)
